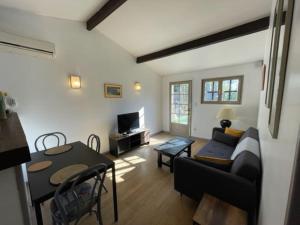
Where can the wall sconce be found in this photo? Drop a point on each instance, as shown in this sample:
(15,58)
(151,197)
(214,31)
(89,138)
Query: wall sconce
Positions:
(75,81)
(137,86)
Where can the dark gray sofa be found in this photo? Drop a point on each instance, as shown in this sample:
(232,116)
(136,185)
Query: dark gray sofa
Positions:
(237,182)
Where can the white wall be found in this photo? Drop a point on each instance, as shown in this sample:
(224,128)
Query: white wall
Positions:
(45,101)
(278,154)
(204,115)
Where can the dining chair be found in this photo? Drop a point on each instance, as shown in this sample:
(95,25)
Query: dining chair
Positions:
(41,140)
(95,139)
(74,198)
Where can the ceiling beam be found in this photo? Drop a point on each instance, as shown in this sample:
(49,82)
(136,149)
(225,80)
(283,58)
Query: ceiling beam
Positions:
(104,12)
(235,32)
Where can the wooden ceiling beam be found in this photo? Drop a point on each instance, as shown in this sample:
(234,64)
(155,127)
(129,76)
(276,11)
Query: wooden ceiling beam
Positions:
(103,13)
(235,32)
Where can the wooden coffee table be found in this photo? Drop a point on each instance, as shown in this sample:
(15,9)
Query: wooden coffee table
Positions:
(173,148)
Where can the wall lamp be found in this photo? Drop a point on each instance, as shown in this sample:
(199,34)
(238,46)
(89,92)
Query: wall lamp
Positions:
(75,81)
(137,86)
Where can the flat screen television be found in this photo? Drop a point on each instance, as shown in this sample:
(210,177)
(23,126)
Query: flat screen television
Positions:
(128,122)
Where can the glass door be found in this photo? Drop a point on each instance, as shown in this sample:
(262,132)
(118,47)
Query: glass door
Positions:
(180,108)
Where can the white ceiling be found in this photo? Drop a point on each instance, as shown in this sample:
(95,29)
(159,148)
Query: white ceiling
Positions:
(144,26)
(79,10)
(241,50)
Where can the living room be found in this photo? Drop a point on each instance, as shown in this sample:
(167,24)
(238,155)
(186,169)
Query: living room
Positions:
(138,58)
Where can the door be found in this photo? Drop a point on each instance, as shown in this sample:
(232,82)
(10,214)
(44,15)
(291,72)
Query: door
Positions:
(180,108)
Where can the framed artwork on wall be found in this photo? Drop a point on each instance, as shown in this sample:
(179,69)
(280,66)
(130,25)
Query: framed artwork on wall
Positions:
(112,91)
(278,60)
(263,77)
(271,55)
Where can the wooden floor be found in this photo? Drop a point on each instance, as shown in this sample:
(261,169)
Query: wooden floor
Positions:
(146,194)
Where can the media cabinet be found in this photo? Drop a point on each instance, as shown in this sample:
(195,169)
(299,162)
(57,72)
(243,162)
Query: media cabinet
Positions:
(119,144)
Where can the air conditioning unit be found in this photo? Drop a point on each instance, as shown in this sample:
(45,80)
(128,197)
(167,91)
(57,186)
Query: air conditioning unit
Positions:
(17,44)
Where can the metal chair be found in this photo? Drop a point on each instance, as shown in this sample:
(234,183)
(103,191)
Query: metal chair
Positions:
(74,198)
(95,139)
(60,137)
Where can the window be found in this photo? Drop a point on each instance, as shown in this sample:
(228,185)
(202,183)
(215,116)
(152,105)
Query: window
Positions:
(224,90)
(180,102)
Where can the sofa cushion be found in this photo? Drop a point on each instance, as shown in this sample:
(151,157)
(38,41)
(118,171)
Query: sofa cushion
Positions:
(234,132)
(225,138)
(215,152)
(247,165)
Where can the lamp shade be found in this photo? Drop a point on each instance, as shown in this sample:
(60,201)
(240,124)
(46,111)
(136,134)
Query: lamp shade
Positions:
(226,114)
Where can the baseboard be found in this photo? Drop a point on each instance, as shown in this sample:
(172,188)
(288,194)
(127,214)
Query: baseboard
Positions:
(201,138)
(192,137)
(156,133)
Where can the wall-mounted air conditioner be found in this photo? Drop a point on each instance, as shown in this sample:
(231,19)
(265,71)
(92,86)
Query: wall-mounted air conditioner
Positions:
(17,44)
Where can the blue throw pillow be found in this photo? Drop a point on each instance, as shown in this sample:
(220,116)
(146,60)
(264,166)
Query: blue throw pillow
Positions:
(225,138)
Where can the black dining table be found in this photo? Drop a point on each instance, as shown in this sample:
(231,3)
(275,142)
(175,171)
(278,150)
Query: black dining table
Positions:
(39,182)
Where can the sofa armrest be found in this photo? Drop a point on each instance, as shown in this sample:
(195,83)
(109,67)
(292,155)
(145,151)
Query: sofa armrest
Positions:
(193,179)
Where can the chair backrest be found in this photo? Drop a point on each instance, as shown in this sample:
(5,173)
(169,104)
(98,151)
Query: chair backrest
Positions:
(72,197)
(41,140)
(93,142)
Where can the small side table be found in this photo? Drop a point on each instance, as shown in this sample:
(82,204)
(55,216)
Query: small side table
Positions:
(213,211)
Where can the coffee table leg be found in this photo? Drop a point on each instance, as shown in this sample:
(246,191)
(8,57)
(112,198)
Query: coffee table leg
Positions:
(159,160)
(189,152)
(171,164)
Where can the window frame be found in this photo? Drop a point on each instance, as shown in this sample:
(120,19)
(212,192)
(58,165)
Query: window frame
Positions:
(220,90)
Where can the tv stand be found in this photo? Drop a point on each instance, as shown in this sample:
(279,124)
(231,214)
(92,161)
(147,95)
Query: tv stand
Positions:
(120,143)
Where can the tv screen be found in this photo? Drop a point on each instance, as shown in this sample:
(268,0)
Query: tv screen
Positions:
(128,122)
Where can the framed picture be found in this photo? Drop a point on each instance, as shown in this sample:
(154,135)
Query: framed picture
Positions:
(270,74)
(112,91)
(279,61)
(263,77)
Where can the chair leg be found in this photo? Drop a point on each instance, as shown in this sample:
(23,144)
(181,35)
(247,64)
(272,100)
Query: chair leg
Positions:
(105,188)
(98,214)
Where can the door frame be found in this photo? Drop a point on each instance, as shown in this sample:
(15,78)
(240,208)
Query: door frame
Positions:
(190,82)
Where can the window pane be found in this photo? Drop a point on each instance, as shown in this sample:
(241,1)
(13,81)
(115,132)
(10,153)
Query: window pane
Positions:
(207,96)
(184,99)
(175,109)
(234,85)
(234,96)
(225,96)
(183,119)
(225,85)
(184,89)
(175,99)
(183,109)
(216,96)
(175,88)
(172,108)
(216,85)
(208,86)
(174,118)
